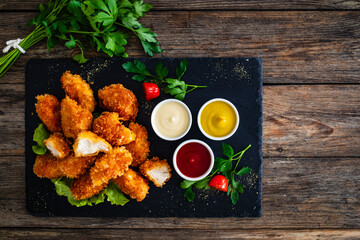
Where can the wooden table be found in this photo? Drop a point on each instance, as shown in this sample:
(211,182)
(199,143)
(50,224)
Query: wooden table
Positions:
(311,64)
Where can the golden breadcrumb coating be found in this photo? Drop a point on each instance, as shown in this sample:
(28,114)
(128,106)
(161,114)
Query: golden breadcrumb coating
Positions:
(89,144)
(156,170)
(116,98)
(82,187)
(74,118)
(79,90)
(112,130)
(48,110)
(74,167)
(57,145)
(110,165)
(132,184)
(139,148)
(47,166)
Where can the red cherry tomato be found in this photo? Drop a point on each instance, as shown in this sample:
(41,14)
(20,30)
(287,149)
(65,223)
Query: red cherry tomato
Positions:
(219,182)
(151,91)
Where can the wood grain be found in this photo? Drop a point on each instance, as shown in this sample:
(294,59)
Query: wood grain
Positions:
(299,121)
(36,233)
(213,4)
(298,193)
(296,47)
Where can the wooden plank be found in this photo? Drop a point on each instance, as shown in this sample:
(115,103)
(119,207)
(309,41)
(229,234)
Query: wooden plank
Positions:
(17,5)
(36,233)
(296,47)
(299,121)
(297,193)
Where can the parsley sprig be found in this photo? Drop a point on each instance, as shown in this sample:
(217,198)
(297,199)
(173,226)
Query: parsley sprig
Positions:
(225,167)
(174,86)
(104,24)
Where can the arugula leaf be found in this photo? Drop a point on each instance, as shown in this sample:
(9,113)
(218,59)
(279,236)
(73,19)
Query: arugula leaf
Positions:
(40,134)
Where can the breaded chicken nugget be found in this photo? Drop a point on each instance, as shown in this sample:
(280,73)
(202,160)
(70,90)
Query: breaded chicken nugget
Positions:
(57,145)
(82,187)
(79,90)
(48,110)
(139,148)
(111,129)
(156,170)
(89,144)
(132,184)
(116,98)
(47,166)
(74,118)
(110,165)
(74,167)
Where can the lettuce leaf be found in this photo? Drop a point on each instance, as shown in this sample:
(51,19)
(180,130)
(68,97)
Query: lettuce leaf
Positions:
(40,134)
(112,192)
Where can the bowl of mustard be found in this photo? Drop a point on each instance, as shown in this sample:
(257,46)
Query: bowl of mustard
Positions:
(218,119)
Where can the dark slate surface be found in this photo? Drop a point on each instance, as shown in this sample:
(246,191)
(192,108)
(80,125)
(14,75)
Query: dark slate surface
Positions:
(237,79)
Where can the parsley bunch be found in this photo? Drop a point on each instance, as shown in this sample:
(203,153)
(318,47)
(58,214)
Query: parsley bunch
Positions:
(104,24)
(174,86)
(225,167)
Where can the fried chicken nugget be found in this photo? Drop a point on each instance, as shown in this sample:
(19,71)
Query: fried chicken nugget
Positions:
(79,90)
(116,98)
(48,110)
(132,184)
(47,166)
(112,130)
(57,145)
(110,165)
(82,187)
(74,167)
(89,144)
(139,148)
(156,170)
(74,118)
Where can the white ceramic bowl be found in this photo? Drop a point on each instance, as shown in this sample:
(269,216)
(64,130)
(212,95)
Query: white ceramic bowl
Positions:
(212,160)
(153,120)
(236,124)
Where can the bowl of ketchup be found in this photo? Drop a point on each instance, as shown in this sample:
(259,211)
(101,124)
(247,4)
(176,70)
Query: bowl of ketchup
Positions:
(193,160)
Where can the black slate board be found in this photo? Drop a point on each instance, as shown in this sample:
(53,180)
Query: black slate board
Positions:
(237,79)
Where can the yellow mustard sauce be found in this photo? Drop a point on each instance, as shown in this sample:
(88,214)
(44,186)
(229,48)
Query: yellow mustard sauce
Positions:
(218,119)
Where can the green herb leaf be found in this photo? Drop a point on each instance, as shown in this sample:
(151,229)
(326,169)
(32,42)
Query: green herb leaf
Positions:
(136,67)
(180,96)
(227,150)
(202,183)
(243,171)
(234,196)
(80,58)
(225,168)
(150,48)
(182,68)
(141,8)
(161,71)
(40,134)
(71,43)
(186,184)
(146,35)
(189,194)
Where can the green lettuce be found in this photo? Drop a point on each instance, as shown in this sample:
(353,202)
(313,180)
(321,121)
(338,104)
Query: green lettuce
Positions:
(40,134)
(112,192)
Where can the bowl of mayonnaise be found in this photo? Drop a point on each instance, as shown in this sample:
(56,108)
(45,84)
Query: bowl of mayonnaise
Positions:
(171,119)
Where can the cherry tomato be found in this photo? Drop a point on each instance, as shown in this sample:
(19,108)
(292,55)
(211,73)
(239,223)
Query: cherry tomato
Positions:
(151,91)
(219,182)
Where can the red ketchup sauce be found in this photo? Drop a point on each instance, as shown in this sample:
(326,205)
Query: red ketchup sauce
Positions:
(193,159)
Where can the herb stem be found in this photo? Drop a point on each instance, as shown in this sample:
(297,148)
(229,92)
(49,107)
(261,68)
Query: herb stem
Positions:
(239,158)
